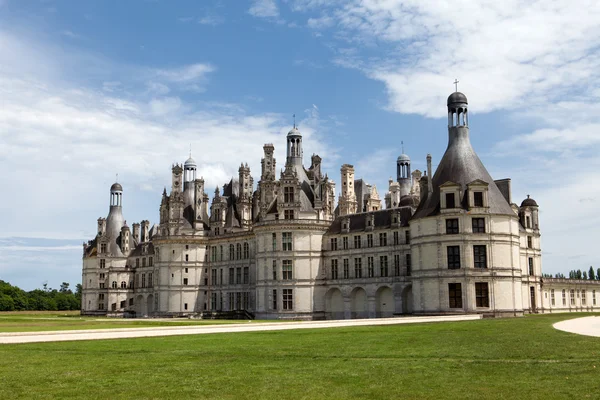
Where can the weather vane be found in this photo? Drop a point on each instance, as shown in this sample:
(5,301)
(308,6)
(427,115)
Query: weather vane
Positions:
(456,85)
(402,143)
(117,178)
(294,121)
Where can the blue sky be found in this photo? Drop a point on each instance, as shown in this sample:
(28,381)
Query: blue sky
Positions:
(91,89)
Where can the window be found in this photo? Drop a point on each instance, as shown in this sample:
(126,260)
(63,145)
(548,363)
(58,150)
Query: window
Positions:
(185,307)
(221,253)
(221,281)
(531,266)
(552,298)
(453,253)
(274,299)
(143,262)
(478,225)
(213,301)
(187,246)
(238,275)
(583,300)
(407,237)
(101,296)
(288,299)
(274,239)
(131,301)
(358,267)
(246,250)
(286,270)
(123,285)
(288,214)
(455,295)
(346,269)
(185,280)
(274,270)
(383,266)
(357,242)
(101,285)
(478,199)
(396,264)
(137,262)
(333,242)
(480,256)
(334,269)
(593,297)
(396,238)
(452,226)
(370,267)
(383,239)
(529,242)
(231,252)
(286,241)
(238,251)
(345,243)
(288,194)
(408,265)
(450,200)
(213,276)
(123,304)
(231,279)
(564,297)
(527,222)
(150,281)
(572,297)
(102,276)
(482,298)
(245,300)
(101,306)
(370,240)
(187,258)
(102,263)
(246,275)
(150,261)
(114,284)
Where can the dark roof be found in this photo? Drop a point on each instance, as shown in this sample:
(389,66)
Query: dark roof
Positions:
(382,219)
(457,97)
(529,202)
(116,187)
(137,252)
(409,200)
(461,165)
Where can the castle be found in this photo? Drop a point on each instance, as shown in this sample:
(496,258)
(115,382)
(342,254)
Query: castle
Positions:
(445,243)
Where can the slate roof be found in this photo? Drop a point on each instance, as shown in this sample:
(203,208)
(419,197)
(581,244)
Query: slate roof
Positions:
(382,219)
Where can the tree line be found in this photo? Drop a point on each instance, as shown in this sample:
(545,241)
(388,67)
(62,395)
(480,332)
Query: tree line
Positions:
(578,274)
(13,298)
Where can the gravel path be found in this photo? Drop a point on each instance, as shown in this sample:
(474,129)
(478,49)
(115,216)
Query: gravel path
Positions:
(121,333)
(589,326)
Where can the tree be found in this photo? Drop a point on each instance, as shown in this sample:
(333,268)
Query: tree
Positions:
(6,303)
(578,274)
(584,275)
(64,288)
(591,275)
(78,289)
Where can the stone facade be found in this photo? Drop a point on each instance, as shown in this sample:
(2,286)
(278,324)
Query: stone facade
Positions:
(446,243)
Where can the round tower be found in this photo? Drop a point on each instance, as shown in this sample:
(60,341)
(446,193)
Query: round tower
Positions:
(294,147)
(403,174)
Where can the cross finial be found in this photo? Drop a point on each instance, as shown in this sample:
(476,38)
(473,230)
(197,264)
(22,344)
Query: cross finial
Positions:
(294,121)
(456,85)
(402,142)
(117,178)
(190,150)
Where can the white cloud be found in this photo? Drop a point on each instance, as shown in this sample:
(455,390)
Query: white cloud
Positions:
(264,9)
(320,23)
(210,19)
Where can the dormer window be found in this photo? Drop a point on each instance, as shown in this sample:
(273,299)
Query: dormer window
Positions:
(288,214)
(527,222)
(478,199)
(288,194)
(449,196)
(450,200)
(478,192)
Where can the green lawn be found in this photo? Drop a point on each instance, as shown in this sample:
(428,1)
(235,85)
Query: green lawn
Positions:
(52,321)
(517,358)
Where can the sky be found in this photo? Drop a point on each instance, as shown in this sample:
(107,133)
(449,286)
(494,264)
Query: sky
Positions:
(93,89)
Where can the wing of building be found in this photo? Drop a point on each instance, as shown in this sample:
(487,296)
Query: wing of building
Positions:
(447,242)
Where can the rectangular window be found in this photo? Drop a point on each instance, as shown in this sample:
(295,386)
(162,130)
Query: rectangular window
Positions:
(130,302)
(396,264)
(274,236)
(286,270)
(408,265)
(333,242)
(246,275)
(396,238)
(231,279)
(572,297)
(370,267)
(102,263)
(288,214)
(407,237)
(286,241)
(358,267)
(143,280)
(478,199)
(150,281)
(370,240)
(274,299)
(529,242)
(103,248)
(274,270)
(527,222)
(478,225)
(334,269)
(238,275)
(383,239)
(583,299)
(346,269)
(137,262)
(383,266)
(101,285)
(221,281)
(288,299)
(213,301)
(150,261)
(452,226)
(345,242)
(101,306)
(185,280)
(357,242)
(480,256)
(593,297)
(144,262)
(185,306)
(450,200)
(213,277)
(453,253)
(564,297)
(552,298)
(221,253)
(482,298)
(288,194)
(101,296)
(187,257)
(531,266)
(455,295)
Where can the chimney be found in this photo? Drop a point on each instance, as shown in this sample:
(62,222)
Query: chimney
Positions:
(136,232)
(144,234)
(429,176)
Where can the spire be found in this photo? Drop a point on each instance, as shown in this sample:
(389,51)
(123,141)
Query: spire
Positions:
(456,84)
(294,120)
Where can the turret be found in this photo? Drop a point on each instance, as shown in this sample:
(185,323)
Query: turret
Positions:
(294,147)
(125,239)
(403,174)
(347,202)
(136,232)
(268,163)
(245,195)
(529,213)
(114,220)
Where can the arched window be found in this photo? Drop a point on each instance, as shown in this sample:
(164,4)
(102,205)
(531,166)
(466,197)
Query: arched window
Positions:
(123,285)
(246,250)
(231,252)
(239,251)
(114,284)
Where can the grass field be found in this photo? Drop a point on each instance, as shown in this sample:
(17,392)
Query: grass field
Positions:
(518,358)
(70,320)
